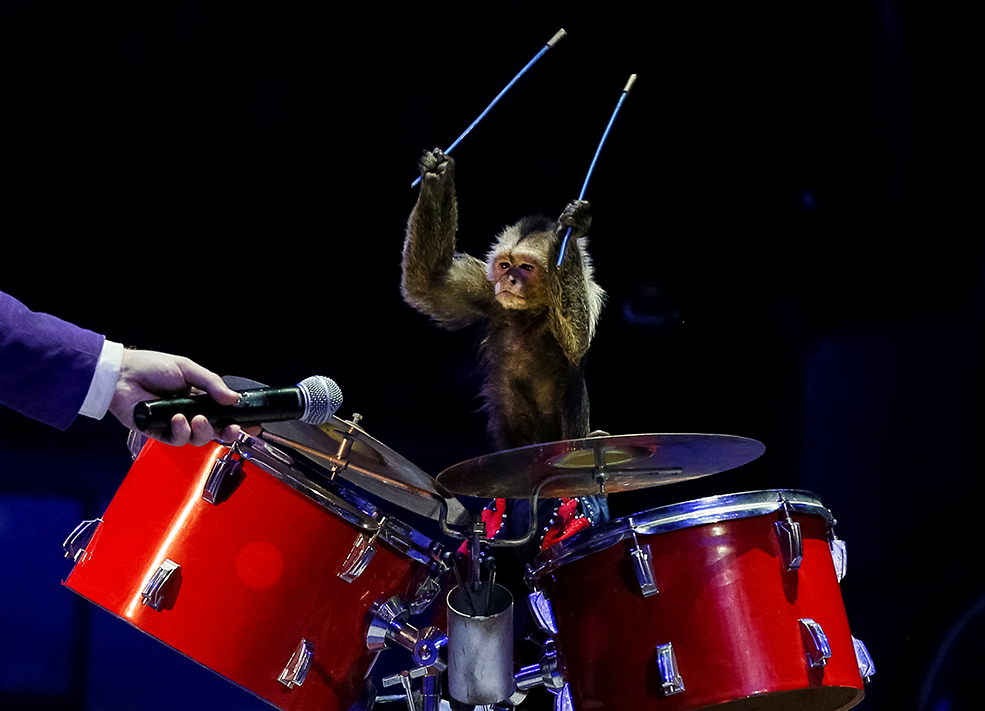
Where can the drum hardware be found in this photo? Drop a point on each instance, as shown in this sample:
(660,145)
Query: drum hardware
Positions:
(839,555)
(562,696)
(531,529)
(670,679)
(430,694)
(79,538)
(789,536)
(135,442)
(428,649)
(866,666)
(480,628)
(363,550)
(563,700)
(545,673)
(598,472)
(480,646)
(297,667)
(227,468)
(816,643)
(839,558)
(643,564)
(388,623)
(345,446)
(540,610)
(428,590)
(153,593)
(475,563)
(224,469)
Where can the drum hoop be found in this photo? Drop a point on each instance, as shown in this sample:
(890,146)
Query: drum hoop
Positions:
(698,512)
(341,502)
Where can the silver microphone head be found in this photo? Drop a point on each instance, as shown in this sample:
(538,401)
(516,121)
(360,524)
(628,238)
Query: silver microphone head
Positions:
(322,398)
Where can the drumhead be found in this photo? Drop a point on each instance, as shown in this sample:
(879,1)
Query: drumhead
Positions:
(698,512)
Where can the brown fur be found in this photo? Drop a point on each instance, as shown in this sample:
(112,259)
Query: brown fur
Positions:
(536,335)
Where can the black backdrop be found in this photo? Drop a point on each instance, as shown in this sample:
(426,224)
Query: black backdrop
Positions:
(786,219)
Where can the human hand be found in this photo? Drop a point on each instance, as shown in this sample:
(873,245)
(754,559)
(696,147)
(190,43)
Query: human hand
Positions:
(147,375)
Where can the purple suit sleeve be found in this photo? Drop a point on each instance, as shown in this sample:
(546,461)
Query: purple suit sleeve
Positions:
(46,364)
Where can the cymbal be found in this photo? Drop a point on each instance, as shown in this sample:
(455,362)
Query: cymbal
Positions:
(370,464)
(572,467)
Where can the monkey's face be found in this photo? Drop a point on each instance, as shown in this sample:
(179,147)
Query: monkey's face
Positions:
(516,278)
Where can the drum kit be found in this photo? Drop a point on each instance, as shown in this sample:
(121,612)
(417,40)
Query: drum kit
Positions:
(277,561)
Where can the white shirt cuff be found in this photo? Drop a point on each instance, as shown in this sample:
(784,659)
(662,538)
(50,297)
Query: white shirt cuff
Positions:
(104,381)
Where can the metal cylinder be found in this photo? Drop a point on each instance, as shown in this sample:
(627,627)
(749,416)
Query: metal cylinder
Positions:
(480,647)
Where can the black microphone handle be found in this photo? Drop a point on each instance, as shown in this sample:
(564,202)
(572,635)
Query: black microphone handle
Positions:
(254,407)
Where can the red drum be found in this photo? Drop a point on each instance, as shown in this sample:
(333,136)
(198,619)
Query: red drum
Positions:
(258,572)
(730,601)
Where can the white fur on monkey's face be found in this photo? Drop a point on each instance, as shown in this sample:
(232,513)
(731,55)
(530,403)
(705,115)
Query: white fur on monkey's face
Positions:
(515,277)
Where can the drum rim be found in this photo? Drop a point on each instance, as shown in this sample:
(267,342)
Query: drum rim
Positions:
(341,502)
(673,517)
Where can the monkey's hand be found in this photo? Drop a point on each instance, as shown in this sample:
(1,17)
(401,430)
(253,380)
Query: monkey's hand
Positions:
(576,216)
(436,167)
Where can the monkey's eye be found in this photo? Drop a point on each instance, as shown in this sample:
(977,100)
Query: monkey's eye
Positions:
(527,267)
(504,265)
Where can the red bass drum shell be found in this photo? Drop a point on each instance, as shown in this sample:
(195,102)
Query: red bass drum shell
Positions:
(726,603)
(258,573)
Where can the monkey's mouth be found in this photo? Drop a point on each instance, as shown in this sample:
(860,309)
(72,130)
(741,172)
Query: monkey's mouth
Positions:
(510,300)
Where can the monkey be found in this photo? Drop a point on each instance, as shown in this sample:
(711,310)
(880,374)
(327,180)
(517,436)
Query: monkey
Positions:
(538,318)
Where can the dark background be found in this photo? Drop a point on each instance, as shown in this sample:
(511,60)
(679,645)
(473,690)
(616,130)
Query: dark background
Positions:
(787,220)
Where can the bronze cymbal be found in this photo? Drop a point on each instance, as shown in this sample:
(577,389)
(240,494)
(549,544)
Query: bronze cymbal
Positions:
(364,462)
(573,467)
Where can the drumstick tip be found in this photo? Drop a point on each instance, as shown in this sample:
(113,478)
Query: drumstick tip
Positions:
(558,36)
(629,83)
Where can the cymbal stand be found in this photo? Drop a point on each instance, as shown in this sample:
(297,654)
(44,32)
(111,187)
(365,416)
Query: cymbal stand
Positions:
(532,520)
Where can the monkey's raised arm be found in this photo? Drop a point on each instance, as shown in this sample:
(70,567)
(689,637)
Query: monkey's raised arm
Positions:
(448,286)
(577,299)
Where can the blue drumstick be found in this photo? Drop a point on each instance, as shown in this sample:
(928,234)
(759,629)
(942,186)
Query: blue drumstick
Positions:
(558,36)
(584,186)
